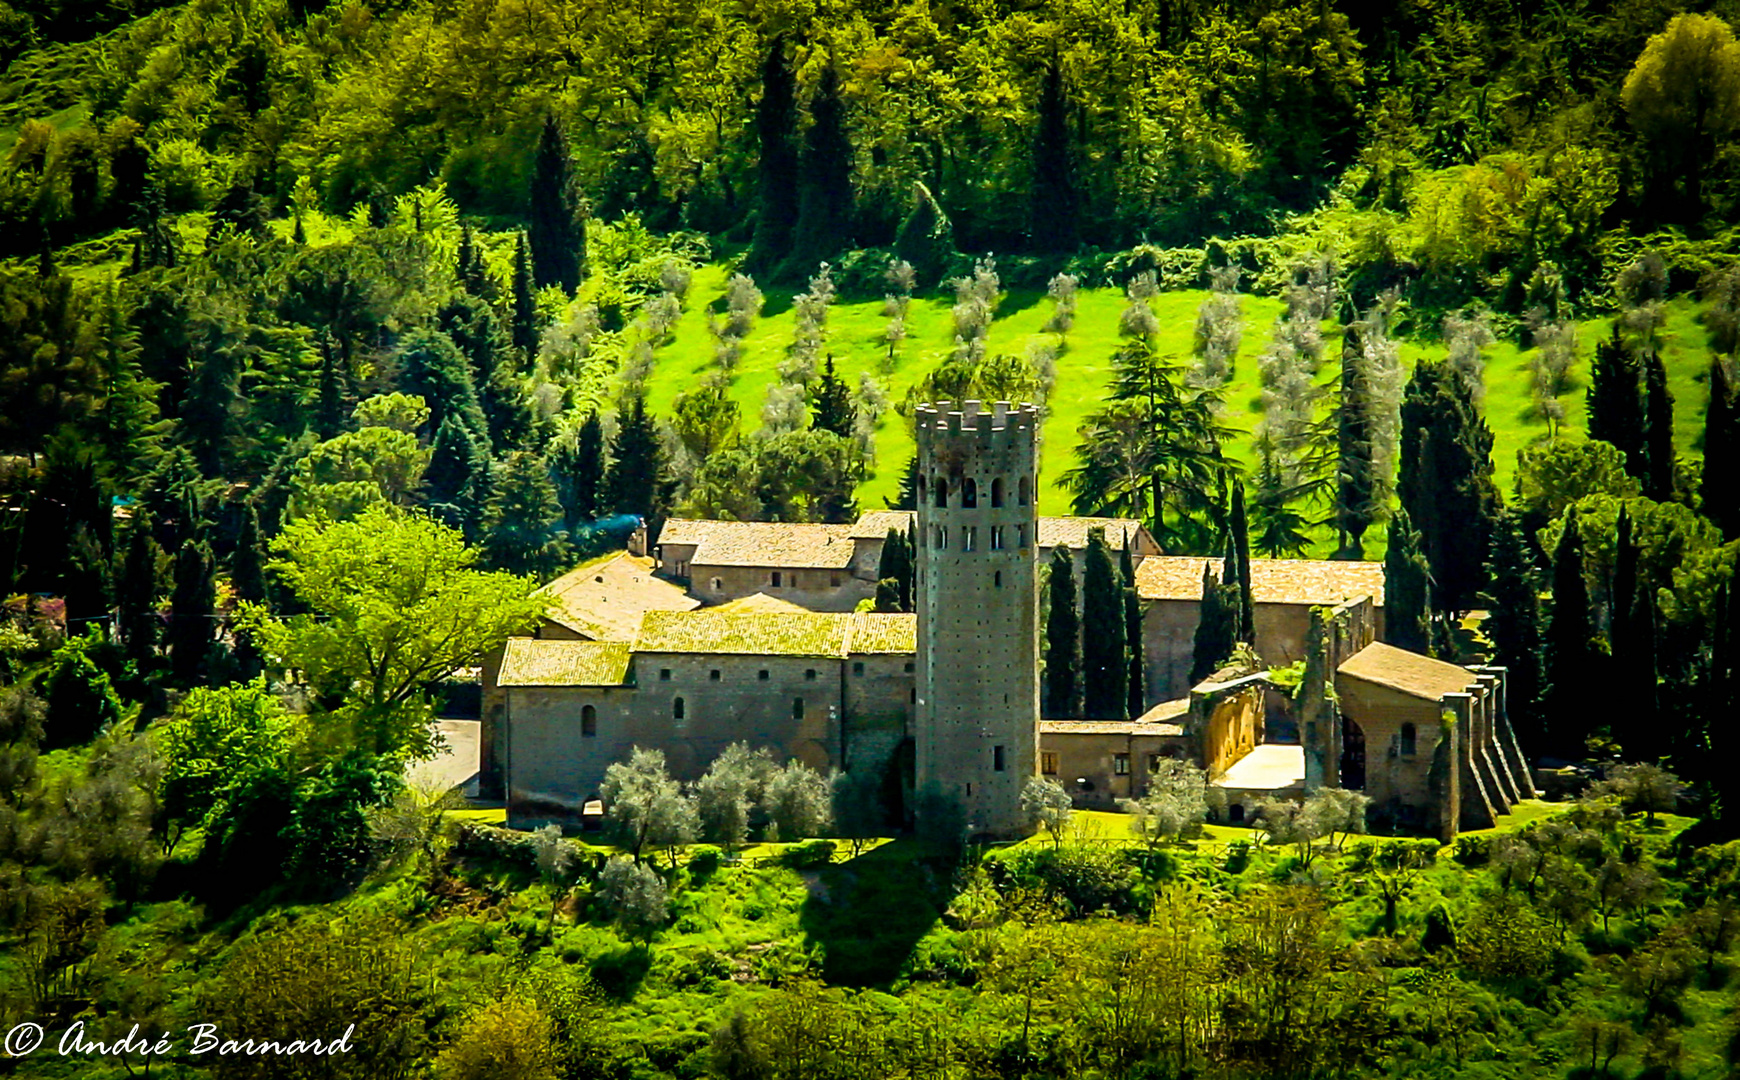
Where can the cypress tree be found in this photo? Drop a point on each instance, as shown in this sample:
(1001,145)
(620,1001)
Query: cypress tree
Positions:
(1720,485)
(775,125)
(137,591)
(1616,403)
(477,332)
(1658,430)
(331,408)
(525,328)
(193,610)
(896,565)
(1241,553)
(1632,683)
(1104,663)
(470,270)
(1722,697)
(558,219)
(1062,637)
(824,218)
(1514,624)
(1356,469)
(1575,676)
(1134,683)
(1407,589)
(580,473)
(833,403)
(248,561)
(1052,213)
(907,497)
(1216,626)
(637,462)
(1446,483)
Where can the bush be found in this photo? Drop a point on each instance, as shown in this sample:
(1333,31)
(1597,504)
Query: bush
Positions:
(705,859)
(1473,850)
(809,855)
(1238,856)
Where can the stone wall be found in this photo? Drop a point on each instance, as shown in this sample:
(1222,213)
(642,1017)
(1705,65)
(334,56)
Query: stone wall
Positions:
(1226,719)
(818,590)
(1169,641)
(1088,765)
(1336,633)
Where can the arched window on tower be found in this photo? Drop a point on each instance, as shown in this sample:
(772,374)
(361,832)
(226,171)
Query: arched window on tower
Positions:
(1022,492)
(996,492)
(969,494)
(922,487)
(941,487)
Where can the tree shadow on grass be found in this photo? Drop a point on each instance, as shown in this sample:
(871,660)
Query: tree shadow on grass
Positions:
(869,913)
(1016,301)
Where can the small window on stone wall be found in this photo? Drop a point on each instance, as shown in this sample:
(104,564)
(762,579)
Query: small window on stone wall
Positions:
(1235,814)
(718,584)
(664,674)
(857,667)
(677,711)
(1153,763)
(1021,492)
(997,579)
(834,579)
(762,675)
(713,675)
(941,491)
(996,492)
(969,494)
(1410,740)
(810,674)
(797,708)
(912,696)
(775,580)
(1121,764)
(909,667)
(588,722)
(1048,762)
(996,759)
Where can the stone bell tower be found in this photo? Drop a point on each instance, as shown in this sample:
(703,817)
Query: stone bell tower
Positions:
(977,594)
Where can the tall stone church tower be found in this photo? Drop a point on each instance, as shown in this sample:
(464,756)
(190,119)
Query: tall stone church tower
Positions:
(977,596)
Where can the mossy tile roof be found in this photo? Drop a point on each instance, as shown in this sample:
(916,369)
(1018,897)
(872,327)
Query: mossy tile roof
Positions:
(539,662)
(744,633)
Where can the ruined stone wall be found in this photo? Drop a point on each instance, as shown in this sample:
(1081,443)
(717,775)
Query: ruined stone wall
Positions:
(1226,719)
(1336,634)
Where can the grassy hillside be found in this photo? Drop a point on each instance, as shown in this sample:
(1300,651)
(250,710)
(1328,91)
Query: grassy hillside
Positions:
(855,339)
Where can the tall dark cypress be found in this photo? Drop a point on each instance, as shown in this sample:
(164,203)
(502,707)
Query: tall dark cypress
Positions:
(1240,541)
(1407,588)
(1513,599)
(1722,696)
(1104,665)
(896,565)
(193,610)
(331,407)
(1216,626)
(1720,485)
(558,217)
(1575,675)
(636,463)
(470,269)
(833,403)
(1616,403)
(1062,637)
(138,590)
(1052,212)
(824,221)
(579,470)
(775,129)
(907,497)
(248,561)
(1134,683)
(1631,692)
(1446,484)
(1658,421)
(525,300)
(1354,510)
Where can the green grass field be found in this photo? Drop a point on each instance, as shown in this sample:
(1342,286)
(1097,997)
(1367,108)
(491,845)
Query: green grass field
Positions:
(1084,368)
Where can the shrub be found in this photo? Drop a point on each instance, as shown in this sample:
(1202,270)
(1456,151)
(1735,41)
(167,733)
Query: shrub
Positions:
(809,855)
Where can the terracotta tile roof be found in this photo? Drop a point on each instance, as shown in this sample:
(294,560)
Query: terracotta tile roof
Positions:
(1409,672)
(776,544)
(1273,581)
(1166,710)
(875,524)
(744,633)
(1073,531)
(884,632)
(1109,727)
(536,662)
(604,599)
(759,603)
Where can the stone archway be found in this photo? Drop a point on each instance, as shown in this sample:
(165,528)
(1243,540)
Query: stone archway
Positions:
(1352,755)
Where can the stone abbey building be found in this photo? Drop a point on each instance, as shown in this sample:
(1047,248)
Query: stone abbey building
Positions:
(723,632)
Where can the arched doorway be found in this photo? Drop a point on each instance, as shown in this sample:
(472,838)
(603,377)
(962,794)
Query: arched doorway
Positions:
(1352,755)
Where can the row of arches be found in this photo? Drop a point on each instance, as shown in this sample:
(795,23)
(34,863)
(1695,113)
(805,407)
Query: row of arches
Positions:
(936,491)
